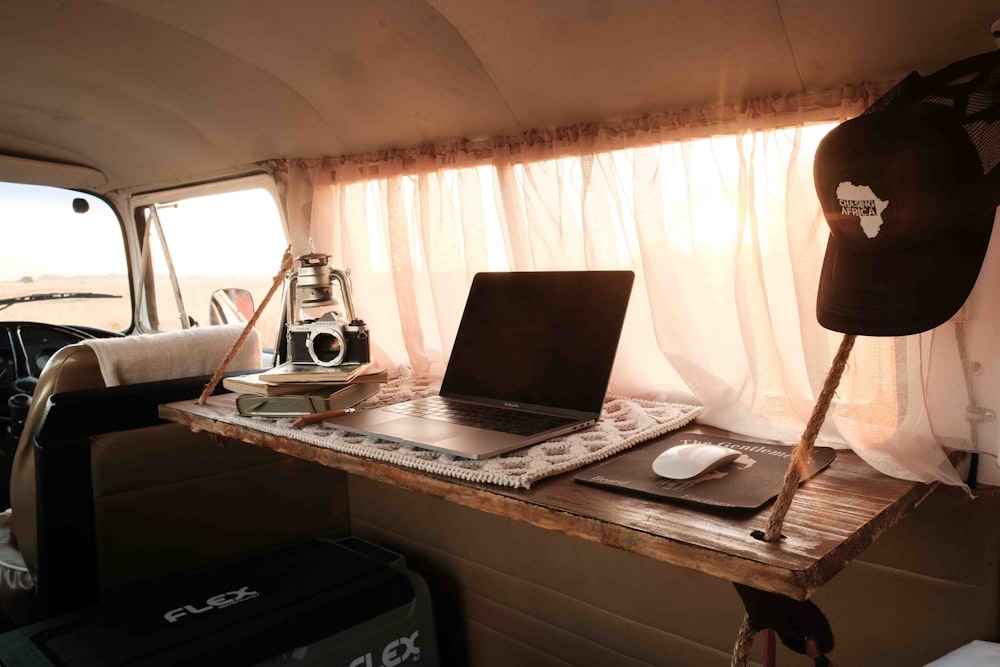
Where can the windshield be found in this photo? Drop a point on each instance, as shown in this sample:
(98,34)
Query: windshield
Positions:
(62,259)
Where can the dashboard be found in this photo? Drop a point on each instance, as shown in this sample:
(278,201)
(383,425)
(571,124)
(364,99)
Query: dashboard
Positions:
(25,348)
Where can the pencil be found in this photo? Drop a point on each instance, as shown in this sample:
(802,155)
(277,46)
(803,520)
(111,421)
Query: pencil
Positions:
(316,417)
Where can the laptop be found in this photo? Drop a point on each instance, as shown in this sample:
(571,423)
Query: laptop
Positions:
(531,360)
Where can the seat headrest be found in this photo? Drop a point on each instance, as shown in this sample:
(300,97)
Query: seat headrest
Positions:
(174,354)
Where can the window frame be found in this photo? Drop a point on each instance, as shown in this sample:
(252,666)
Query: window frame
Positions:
(145,315)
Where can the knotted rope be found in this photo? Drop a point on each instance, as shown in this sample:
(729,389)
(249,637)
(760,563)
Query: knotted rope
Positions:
(800,457)
(744,640)
(286,264)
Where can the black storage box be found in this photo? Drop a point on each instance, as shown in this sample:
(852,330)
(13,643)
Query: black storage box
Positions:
(319,602)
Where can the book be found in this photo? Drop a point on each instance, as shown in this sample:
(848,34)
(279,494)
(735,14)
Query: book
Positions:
(292,372)
(349,395)
(253,383)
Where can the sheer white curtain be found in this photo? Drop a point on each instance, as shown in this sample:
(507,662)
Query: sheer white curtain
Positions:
(715,210)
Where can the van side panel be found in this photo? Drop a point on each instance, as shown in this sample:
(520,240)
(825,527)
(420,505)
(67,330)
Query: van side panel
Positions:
(507,593)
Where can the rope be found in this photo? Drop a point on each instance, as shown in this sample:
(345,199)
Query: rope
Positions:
(286,264)
(744,640)
(800,455)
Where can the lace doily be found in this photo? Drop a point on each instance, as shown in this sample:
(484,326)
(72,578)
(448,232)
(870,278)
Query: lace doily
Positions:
(624,422)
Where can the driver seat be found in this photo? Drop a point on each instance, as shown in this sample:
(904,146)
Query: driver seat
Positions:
(164,499)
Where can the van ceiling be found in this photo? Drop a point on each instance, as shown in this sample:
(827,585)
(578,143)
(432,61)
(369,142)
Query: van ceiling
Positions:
(154,92)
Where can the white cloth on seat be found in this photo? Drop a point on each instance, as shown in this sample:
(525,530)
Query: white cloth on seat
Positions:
(16,584)
(974,654)
(11,563)
(173,354)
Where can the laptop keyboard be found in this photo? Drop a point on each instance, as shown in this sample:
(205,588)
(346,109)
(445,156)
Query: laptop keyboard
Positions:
(494,419)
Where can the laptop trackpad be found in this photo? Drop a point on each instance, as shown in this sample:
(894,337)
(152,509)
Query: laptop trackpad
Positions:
(417,429)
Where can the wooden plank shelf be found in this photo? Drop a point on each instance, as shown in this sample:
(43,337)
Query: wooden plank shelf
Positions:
(833,518)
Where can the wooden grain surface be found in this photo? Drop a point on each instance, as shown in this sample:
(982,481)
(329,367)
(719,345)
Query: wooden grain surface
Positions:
(833,518)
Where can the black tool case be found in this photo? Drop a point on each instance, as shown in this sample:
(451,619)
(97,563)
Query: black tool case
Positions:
(318,602)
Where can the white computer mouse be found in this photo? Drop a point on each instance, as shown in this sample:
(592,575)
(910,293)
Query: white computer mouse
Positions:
(690,460)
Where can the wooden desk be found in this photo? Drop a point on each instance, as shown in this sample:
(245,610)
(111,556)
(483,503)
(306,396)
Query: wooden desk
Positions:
(833,518)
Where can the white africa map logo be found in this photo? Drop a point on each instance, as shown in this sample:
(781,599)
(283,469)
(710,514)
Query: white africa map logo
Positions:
(861,202)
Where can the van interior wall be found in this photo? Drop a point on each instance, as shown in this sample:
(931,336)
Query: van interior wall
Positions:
(510,594)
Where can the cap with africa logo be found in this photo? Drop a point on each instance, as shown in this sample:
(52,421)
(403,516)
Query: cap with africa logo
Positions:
(909,190)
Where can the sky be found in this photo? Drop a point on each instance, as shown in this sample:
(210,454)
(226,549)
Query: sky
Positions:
(228,234)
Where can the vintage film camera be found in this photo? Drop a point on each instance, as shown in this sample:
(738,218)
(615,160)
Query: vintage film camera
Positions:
(337,337)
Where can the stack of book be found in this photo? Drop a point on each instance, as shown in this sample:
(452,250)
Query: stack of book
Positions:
(297,389)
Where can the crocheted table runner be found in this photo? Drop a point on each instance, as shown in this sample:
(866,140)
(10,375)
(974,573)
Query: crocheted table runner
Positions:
(624,422)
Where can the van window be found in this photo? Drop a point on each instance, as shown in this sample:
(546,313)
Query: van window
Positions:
(62,259)
(725,234)
(200,244)
(711,225)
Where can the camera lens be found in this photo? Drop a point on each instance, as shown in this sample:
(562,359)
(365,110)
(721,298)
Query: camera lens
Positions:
(327,348)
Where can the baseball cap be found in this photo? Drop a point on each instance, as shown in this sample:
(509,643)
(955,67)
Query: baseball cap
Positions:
(909,190)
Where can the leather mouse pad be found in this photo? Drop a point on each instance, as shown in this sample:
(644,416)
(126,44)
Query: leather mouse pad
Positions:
(749,482)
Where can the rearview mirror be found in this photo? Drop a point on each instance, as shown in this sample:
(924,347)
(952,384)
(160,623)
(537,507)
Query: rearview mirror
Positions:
(232,305)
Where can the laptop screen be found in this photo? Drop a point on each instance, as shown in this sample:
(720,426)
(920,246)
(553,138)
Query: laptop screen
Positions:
(540,339)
